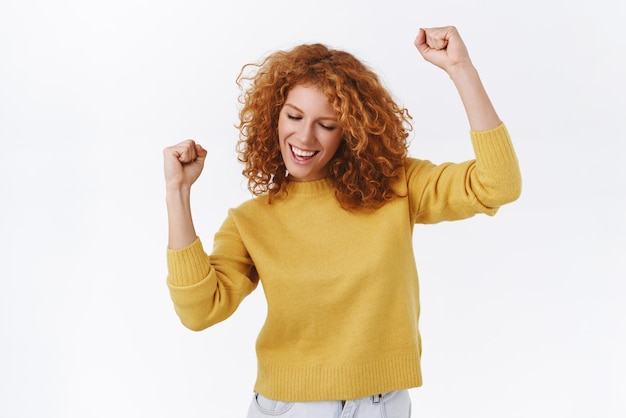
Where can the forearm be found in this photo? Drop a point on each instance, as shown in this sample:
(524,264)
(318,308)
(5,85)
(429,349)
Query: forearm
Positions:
(181,231)
(480,111)
(497,179)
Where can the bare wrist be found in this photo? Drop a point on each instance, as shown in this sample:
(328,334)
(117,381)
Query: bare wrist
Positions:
(463,72)
(177,190)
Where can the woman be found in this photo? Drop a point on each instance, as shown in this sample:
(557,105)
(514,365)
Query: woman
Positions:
(329,231)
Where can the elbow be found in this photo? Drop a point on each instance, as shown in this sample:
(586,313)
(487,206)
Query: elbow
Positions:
(194,325)
(500,190)
(512,189)
(195,322)
(511,193)
(503,195)
(515,187)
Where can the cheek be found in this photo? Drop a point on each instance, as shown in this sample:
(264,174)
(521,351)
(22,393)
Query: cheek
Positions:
(280,128)
(283,128)
(335,141)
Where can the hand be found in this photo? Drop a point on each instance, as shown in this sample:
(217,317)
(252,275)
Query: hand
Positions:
(442,47)
(183,163)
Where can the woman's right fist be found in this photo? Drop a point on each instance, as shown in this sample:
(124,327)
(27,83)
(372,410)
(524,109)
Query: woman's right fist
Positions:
(183,163)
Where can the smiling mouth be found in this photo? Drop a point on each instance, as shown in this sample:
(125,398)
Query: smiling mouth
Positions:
(302,155)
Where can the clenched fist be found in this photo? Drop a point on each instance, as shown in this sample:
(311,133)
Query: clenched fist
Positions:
(442,47)
(183,163)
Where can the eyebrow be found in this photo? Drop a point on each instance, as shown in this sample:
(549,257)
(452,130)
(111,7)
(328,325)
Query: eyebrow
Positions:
(296,108)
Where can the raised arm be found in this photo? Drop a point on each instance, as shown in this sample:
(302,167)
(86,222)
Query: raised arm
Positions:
(183,164)
(444,48)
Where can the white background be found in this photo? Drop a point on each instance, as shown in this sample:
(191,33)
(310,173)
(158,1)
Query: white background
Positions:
(523,313)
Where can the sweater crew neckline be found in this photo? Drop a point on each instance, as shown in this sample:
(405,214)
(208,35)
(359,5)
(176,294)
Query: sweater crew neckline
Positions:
(309,187)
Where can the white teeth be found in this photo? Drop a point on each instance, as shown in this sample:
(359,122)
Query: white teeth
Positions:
(302,153)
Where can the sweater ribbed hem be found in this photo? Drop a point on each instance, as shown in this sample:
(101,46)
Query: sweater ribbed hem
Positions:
(188,265)
(316,383)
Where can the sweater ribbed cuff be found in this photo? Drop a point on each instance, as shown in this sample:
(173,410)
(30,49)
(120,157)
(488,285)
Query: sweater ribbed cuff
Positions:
(493,148)
(188,265)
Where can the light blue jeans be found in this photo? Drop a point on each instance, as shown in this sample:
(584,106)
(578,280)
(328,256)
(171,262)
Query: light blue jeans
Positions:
(395,404)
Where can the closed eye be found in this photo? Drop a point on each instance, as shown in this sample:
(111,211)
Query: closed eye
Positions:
(293,117)
(327,127)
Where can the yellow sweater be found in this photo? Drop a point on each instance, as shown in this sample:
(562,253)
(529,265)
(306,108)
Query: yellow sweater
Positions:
(341,287)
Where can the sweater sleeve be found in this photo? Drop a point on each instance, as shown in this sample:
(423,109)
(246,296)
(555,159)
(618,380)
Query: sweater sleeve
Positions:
(448,191)
(208,289)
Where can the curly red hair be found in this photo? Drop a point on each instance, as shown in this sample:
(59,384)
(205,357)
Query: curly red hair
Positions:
(375,129)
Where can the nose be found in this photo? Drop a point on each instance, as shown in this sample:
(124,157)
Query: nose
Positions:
(307,133)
